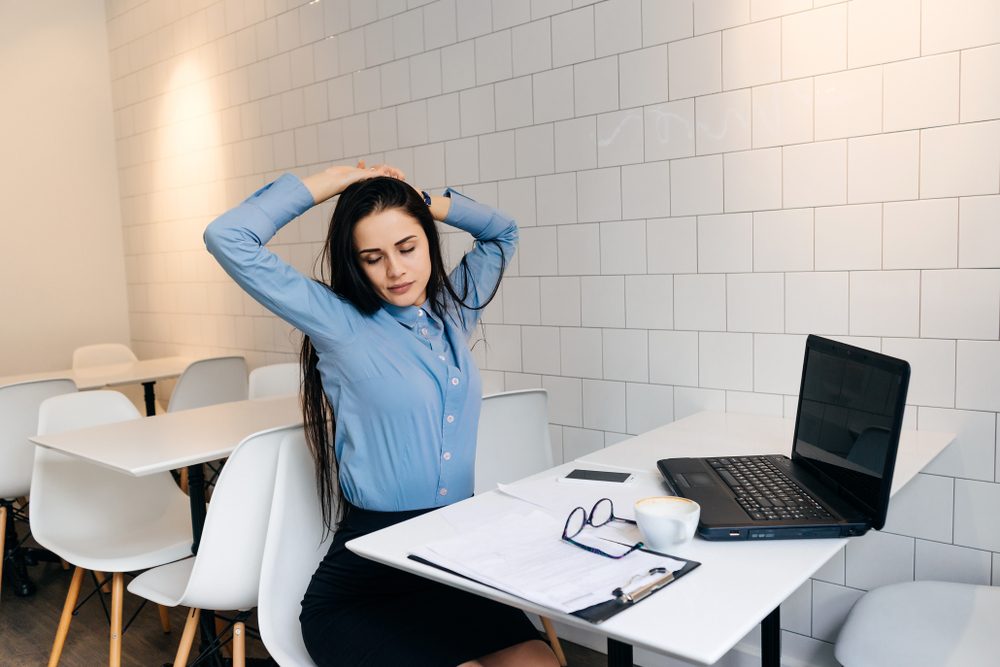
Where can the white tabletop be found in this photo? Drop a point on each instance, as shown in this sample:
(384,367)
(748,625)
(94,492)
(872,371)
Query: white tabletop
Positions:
(176,439)
(95,377)
(703,615)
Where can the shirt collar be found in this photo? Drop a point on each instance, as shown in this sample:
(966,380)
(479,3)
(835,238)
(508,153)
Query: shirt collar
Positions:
(409,316)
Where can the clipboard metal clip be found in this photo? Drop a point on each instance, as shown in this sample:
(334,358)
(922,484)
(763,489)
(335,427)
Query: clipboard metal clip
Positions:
(626,596)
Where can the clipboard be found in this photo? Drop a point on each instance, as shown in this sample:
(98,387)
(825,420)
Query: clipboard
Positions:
(630,595)
(625,596)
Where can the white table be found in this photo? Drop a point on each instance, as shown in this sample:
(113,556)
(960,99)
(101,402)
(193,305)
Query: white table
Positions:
(143,371)
(174,440)
(703,615)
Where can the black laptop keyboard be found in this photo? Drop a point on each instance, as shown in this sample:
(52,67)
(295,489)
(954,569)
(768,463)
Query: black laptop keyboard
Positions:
(764,491)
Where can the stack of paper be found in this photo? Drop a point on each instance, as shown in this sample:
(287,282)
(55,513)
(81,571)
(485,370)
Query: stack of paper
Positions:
(523,554)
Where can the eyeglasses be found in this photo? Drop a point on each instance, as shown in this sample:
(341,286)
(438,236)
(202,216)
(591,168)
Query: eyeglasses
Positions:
(601,514)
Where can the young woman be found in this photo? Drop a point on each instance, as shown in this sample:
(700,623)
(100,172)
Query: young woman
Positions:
(391,401)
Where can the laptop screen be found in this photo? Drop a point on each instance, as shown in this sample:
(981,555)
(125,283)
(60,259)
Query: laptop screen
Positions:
(849,417)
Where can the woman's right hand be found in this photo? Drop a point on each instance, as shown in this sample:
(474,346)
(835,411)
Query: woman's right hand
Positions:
(334,179)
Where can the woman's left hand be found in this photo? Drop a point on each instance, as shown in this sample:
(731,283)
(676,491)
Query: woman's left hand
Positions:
(334,179)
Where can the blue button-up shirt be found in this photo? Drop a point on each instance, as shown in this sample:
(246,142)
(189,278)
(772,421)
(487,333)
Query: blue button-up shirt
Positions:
(404,388)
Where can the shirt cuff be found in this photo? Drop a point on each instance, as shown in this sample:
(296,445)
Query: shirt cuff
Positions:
(480,220)
(282,200)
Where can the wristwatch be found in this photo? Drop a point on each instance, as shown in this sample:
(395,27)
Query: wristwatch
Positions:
(427,197)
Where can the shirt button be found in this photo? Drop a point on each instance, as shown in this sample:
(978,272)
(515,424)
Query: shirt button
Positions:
(447,456)
(420,313)
(443,492)
(441,357)
(454,381)
(423,331)
(450,418)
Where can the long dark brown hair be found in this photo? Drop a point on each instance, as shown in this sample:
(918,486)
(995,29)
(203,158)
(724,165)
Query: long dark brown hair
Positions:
(343,274)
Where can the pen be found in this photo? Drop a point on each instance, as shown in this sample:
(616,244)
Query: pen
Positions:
(646,589)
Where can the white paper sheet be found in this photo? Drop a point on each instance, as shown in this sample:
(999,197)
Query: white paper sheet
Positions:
(523,553)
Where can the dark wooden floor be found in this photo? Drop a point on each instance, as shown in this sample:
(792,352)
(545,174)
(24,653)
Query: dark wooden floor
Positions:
(28,625)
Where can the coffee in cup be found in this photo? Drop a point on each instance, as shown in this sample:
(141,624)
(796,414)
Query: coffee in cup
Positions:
(666,521)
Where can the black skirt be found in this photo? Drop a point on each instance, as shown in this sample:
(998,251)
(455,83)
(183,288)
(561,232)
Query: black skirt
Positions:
(358,612)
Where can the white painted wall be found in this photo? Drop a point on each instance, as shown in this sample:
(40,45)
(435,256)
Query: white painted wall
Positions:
(62,272)
(699,184)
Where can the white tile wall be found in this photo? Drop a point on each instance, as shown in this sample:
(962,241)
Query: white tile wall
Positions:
(745,173)
(626,355)
(783,240)
(883,167)
(972,455)
(923,509)
(849,237)
(937,562)
(755,302)
(751,55)
(885,303)
(980,99)
(975,315)
(979,236)
(922,234)
(960,160)
(879,558)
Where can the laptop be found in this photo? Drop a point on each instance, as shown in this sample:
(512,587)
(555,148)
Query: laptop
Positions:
(837,481)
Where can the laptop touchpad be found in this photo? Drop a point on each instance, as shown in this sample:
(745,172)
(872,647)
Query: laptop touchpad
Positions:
(696,479)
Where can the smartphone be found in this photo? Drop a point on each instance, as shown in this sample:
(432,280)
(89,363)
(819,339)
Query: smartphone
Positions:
(580,475)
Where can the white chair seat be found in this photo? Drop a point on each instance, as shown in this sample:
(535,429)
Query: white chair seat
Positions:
(140,547)
(164,585)
(923,624)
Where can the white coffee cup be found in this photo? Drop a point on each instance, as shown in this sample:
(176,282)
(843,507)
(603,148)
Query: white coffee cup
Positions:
(666,521)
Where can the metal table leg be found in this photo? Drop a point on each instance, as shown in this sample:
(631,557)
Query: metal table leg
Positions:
(770,639)
(619,653)
(149,394)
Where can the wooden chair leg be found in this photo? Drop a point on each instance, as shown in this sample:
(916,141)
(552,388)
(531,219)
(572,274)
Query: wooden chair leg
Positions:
(164,618)
(554,641)
(187,638)
(67,616)
(65,564)
(117,599)
(184,480)
(239,645)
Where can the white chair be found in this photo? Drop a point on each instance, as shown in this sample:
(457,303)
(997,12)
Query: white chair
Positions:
(294,548)
(226,572)
(922,624)
(209,382)
(275,380)
(513,442)
(103,354)
(98,519)
(19,421)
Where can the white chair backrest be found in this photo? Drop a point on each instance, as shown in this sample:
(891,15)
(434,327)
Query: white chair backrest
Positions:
(69,496)
(226,571)
(513,440)
(294,548)
(275,380)
(19,405)
(101,354)
(208,382)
